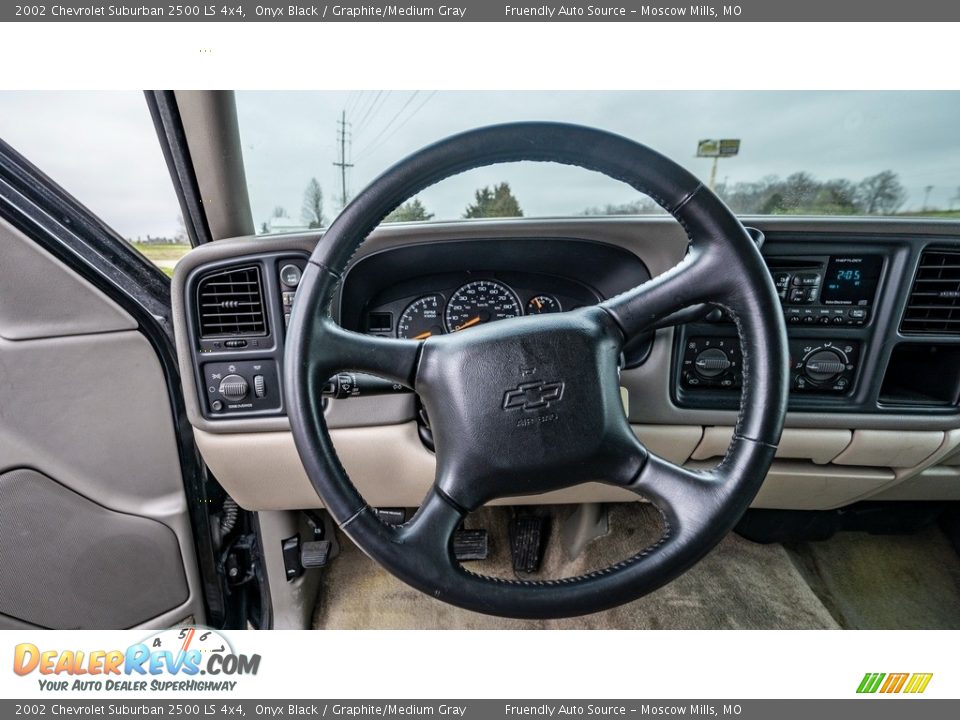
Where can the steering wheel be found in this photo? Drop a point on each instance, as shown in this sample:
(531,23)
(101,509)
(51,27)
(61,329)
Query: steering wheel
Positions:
(532,404)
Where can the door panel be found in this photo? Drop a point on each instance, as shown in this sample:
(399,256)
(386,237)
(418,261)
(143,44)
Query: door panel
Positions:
(107,569)
(90,479)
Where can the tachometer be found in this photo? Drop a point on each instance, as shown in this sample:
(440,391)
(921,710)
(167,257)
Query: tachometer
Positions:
(421,319)
(479,302)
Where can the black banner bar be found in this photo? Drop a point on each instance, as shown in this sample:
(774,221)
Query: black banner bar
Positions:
(483,11)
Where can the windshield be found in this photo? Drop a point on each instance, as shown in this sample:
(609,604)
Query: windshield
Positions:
(767,153)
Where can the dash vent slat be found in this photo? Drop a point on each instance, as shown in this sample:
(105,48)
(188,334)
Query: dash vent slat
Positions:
(230,303)
(934,305)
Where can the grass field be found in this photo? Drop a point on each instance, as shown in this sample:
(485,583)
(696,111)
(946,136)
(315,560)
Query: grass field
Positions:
(164,257)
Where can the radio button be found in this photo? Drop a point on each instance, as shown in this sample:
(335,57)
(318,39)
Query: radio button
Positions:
(806,279)
(781,281)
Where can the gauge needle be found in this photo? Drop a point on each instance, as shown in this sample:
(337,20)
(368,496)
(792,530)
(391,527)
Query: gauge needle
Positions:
(423,335)
(538,302)
(468,323)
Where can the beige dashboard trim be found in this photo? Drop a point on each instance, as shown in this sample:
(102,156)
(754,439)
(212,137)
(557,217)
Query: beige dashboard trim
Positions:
(391,468)
(820,446)
(388,464)
(890,448)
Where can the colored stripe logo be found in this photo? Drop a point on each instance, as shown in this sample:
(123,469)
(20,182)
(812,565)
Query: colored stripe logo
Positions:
(887,683)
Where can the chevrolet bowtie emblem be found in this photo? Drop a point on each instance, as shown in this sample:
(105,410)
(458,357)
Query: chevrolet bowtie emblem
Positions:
(533,395)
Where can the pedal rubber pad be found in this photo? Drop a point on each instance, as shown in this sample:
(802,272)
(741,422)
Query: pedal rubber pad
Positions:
(314,554)
(528,539)
(471,544)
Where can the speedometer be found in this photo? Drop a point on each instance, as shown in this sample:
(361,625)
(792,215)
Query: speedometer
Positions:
(479,302)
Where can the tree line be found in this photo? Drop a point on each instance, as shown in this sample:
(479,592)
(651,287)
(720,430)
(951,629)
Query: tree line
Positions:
(798,194)
(488,202)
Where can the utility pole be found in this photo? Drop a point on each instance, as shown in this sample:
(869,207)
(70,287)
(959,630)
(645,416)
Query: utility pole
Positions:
(926,196)
(343,164)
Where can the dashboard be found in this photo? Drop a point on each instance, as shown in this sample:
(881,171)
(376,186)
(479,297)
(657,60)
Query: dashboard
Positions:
(872,309)
(421,290)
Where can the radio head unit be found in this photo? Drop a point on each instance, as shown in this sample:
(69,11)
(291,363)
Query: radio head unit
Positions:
(851,280)
(827,290)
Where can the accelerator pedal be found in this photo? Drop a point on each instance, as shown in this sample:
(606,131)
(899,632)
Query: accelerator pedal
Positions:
(471,544)
(528,540)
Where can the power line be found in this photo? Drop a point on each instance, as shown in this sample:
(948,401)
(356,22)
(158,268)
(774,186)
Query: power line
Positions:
(353,100)
(363,119)
(372,113)
(390,122)
(365,106)
(369,148)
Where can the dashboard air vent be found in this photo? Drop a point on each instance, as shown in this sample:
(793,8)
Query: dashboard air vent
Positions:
(934,305)
(231,303)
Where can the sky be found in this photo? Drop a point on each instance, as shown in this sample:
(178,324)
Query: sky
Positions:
(103,149)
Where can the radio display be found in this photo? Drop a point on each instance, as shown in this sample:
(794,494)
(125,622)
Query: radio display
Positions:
(851,279)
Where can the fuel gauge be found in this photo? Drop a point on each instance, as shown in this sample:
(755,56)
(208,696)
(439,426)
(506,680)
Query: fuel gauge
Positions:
(542,304)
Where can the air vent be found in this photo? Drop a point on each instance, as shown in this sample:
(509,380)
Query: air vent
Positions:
(230,303)
(934,305)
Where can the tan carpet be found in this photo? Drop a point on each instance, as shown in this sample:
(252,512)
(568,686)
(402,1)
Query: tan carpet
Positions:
(740,585)
(895,582)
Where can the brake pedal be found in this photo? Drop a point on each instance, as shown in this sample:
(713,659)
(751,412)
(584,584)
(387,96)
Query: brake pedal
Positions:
(314,554)
(528,536)
(471,544)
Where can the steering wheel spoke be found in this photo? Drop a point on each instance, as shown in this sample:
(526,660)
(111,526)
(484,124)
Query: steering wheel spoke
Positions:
(344,350)
(692,282)
(678,492)
(431,529)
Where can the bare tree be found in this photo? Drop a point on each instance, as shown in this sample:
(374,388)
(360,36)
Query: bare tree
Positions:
(312,213)
(180,235)
(881,194)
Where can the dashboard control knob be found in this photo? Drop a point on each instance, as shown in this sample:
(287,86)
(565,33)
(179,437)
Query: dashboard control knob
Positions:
(824,365)
(711,363)
(234,387)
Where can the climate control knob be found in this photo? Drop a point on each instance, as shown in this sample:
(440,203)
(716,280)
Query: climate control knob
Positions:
(234,387)
(824,365)
(711,363)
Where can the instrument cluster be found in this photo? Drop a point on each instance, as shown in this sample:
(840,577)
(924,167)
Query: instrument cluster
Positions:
(454,302)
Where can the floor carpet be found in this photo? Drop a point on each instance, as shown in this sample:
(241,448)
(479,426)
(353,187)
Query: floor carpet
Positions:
(853,580)
(885,582)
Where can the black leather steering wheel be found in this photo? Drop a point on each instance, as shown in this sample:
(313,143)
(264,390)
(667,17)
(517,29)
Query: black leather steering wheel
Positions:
(532,404)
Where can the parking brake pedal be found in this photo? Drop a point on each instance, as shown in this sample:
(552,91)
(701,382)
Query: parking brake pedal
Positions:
(314,554)
(528,536)
(471,544)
